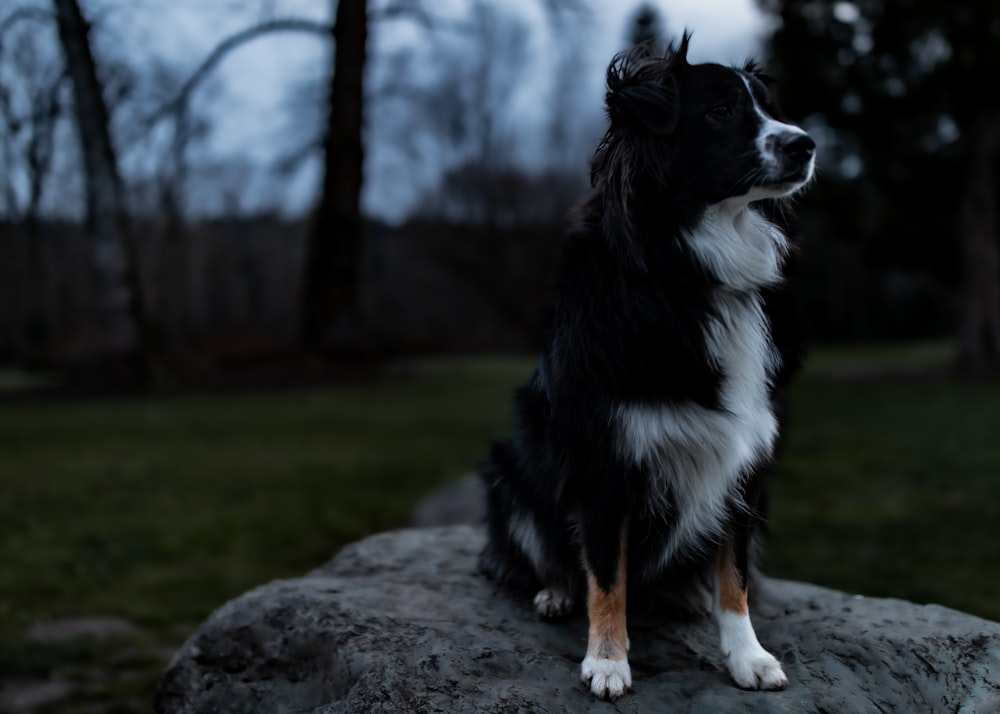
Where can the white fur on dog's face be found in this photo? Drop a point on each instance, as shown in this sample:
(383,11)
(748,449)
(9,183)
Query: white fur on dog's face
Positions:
(772,133)
(728,142)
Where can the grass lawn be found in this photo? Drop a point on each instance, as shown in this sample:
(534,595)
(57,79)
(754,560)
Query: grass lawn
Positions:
(159,510)
(891,487)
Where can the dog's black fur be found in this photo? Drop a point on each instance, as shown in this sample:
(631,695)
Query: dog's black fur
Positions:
(630,330)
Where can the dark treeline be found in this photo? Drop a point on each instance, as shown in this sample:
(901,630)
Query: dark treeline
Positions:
(226,291)
(902,230)
(139,287)
(899,235)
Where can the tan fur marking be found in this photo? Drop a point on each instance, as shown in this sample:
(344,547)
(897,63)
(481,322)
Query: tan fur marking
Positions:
(732,593)
(608,637)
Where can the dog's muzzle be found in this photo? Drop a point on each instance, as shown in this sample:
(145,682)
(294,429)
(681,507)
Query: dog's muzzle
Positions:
(798,148)
(794,152)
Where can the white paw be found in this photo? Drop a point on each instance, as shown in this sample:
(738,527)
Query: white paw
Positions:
(756,670)
(608,678)
(552,602)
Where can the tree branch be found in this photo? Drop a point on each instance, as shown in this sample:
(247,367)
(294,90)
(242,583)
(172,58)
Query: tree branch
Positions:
(25,13)
(407,9)
(228,45)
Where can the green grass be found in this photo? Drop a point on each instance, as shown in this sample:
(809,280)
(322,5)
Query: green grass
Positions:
(895,357)
(892,487)
(15,380)
(177,502)
(159,510)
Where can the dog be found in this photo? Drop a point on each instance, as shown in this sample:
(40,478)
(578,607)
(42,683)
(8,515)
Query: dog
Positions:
(645,432)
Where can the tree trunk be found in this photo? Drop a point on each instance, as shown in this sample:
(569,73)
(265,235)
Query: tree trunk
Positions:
(331,320)
(979,335)
(117,290)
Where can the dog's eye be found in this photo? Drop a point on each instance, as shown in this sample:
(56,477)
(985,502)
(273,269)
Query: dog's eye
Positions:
(721,111)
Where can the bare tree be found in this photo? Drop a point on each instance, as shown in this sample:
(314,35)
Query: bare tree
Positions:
(114,265)
(498,215)
(177,110)
(330,313)
(332,318)
(32,103)
(28,110)
(979,322)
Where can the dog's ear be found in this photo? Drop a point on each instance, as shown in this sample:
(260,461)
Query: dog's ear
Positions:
(643,99)
(752,66)
(643,90)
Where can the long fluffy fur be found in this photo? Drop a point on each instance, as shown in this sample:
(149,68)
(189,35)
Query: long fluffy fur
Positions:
(672,335)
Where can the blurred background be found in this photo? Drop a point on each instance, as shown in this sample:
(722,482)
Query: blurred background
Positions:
(269,270)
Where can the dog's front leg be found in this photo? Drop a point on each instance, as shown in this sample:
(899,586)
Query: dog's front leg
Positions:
(606,667)
(749,664)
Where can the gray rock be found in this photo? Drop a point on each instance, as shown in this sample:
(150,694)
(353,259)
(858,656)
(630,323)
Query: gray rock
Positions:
(401,622)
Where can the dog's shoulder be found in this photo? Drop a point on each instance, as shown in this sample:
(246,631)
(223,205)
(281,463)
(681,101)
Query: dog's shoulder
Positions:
(630,334)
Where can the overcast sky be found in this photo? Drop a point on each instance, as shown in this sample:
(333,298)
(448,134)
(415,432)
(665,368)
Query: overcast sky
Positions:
(248,97)
(726,31)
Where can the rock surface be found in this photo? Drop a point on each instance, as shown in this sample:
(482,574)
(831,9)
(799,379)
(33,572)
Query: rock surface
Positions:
(401,622)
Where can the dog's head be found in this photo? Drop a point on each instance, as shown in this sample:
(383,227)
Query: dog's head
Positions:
(695,134)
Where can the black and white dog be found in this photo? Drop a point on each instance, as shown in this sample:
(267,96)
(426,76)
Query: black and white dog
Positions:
(645,430)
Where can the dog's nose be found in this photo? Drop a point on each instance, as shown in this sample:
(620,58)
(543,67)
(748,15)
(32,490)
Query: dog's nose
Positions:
(797,147)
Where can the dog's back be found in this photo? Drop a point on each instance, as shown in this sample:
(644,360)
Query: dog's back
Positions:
(646,429)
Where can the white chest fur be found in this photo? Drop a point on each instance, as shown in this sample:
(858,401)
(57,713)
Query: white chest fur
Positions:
(700,455)
(741,248)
